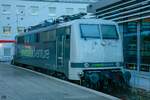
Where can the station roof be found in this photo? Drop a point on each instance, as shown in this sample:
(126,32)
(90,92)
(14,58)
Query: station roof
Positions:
(121,10)
(69,1)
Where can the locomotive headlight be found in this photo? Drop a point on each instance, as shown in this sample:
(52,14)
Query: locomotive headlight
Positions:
(81,74)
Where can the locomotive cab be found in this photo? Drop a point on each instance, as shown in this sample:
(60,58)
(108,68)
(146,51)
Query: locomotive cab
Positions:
(95,44)
(96,55)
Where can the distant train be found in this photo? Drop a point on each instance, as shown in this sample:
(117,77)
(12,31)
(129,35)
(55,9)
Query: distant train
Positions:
(85,50)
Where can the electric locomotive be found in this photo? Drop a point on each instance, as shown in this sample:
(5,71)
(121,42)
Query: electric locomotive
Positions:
(85,50)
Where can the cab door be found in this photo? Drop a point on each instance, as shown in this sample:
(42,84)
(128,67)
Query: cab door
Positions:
(60,49)
(63,49)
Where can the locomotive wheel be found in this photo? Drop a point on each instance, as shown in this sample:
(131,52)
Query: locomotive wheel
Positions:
(85,83)
(108,85)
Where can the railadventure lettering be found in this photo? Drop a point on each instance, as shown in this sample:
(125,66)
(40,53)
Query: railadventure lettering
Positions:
(35,53)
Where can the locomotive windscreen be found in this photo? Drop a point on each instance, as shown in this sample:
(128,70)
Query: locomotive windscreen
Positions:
(109,32)
(90,31)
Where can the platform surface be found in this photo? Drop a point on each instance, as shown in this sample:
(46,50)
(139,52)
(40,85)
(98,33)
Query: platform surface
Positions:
(20,84)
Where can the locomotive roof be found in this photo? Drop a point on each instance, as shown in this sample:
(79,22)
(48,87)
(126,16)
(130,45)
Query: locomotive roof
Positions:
(54,26)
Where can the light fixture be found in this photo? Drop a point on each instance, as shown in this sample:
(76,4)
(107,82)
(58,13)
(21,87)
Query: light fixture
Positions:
(1,45)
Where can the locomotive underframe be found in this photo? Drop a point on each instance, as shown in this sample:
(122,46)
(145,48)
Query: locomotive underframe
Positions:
(105,80)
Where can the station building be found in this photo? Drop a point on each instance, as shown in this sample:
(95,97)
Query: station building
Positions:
(133,17)
(16,15)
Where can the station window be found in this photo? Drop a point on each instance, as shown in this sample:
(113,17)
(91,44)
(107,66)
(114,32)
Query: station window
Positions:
(145,26)
(6,9)
(34,10)
(145,45)
(20,29)
(132,27)
(52,10)
(130,45)
(7,51)
(20,9)
(69,11)
(7,30)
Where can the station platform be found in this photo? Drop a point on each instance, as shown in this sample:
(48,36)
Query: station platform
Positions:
(22,84)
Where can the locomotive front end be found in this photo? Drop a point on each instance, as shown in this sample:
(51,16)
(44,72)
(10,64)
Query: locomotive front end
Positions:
(98,56)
